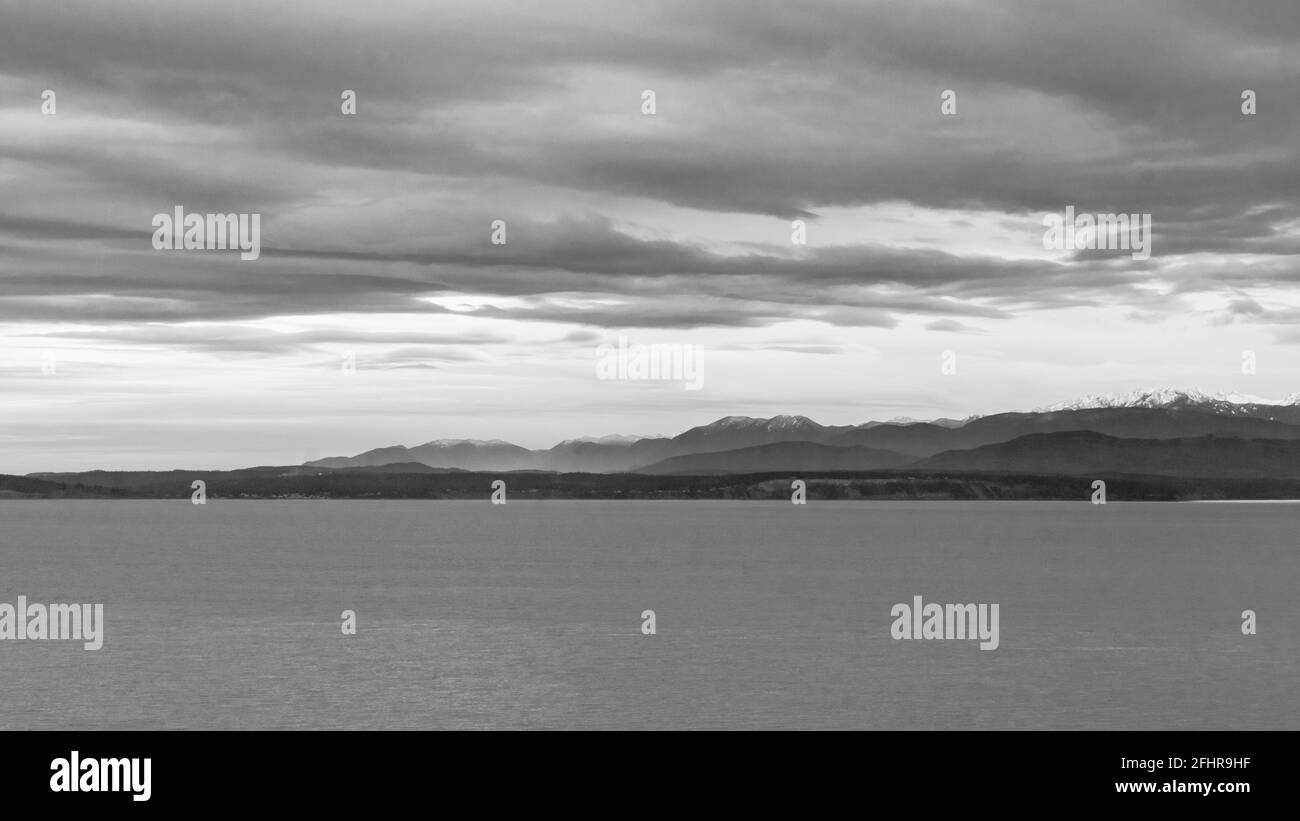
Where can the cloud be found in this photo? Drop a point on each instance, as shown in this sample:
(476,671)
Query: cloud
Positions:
(376,226)
(774,112)
(952,326)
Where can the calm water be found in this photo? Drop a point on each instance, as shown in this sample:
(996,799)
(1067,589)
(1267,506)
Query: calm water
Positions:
(769,615)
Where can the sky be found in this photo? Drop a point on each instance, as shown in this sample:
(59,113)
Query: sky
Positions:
(381,312)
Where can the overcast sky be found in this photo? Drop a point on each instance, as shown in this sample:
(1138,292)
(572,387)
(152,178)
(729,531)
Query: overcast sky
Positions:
(924,230)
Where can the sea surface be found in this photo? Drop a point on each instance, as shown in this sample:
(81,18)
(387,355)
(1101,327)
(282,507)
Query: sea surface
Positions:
(768,615)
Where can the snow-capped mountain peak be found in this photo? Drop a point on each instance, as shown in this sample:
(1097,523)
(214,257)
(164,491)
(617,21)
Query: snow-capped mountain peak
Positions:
(781,422)
(1220,402)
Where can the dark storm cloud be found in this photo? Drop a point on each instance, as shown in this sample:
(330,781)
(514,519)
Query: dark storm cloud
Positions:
(657,281)
(228,338)
(781,110)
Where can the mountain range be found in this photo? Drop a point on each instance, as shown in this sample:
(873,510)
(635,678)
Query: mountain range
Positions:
(1156,433)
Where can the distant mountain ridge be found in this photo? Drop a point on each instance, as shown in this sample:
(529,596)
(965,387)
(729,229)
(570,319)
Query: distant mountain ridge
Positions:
(806,456)
(1230,404)
(467,454)
(744,444)
(1085,453)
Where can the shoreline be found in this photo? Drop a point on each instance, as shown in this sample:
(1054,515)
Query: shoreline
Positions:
(273,483)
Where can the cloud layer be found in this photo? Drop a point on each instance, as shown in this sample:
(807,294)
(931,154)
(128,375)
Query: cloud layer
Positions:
(924,230)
